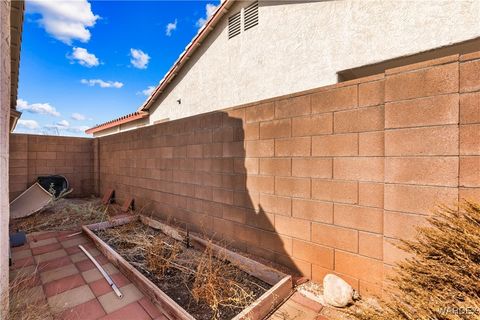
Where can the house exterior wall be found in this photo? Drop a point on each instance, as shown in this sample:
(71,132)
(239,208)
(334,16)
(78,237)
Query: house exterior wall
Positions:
(4,156)
(300,46)
(322,180)
(36,155)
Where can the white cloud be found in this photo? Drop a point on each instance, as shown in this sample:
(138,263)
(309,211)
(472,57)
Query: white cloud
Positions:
(29,124)
(147,92)
(78,116)
(172,26)
(39,108)
(65,20)
(139,58)
(63,123)
(102,84)
(209,11)
(83,57)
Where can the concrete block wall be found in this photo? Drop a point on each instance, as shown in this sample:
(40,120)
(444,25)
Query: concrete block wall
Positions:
(36,155)
(469,175)
(322,181)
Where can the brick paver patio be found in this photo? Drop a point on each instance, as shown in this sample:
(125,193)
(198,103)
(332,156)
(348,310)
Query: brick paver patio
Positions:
(298,307)
(74,289)
(68,281)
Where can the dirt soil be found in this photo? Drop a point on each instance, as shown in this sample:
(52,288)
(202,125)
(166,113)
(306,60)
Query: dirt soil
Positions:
(178,284)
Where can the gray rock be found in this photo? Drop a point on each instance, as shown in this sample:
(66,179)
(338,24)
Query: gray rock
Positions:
(336,292)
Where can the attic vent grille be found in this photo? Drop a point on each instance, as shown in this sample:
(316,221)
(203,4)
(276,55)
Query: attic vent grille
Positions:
(234,25)
(250,18)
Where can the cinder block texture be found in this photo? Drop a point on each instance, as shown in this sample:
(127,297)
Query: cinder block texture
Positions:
(321,181)
(37,155)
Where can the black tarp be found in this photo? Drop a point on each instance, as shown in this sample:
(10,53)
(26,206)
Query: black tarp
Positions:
(55,182)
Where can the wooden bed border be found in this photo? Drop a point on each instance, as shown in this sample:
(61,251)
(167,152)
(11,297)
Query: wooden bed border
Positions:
(281,283)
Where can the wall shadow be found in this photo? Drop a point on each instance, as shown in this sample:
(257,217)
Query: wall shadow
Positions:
(196,173)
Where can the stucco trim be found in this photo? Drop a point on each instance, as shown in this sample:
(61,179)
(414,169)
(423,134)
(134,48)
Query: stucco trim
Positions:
(119,121)
(14,116)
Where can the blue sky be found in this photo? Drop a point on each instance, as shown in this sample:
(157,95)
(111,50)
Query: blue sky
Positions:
(87,62)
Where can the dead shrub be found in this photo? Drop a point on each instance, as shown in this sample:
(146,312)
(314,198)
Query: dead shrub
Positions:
(211,280)
(442,278)
(160,256)
(215,284)
(21,306)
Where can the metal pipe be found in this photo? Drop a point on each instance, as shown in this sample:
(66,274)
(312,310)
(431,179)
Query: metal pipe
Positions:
(102,271)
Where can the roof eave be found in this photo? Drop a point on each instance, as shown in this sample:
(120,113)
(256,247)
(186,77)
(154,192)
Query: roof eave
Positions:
(16,27)
(196,42)
(117,122)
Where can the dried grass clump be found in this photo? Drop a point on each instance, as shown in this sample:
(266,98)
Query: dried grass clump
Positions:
(210,280)
(63,214)
(160,256)
(215,284)
(442,279)
(143,248)
(21,306)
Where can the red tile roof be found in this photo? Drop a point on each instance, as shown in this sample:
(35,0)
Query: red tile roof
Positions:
(192,46)
(116,122)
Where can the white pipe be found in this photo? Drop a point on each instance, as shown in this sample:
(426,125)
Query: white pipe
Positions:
(102,271)
(74,234)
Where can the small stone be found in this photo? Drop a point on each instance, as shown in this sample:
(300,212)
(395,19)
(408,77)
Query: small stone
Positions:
(336,292)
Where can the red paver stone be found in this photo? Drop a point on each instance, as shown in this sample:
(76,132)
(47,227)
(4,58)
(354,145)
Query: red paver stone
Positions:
(306,302)
(85,265)
(54,264)
(129,203)
(62,285)
(75,249)
(90,310)
(64,235)
(43,236)
(75,241)
(107,197)
(46,248)
(101,286)
(20,263)
(20,248)
(150,308)
(131,311)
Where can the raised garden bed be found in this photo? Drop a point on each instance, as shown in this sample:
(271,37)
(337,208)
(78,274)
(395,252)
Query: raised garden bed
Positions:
(180,271)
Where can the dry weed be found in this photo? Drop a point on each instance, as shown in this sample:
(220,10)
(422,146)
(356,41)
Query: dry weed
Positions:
(62,214)
(211,280)
(21,305)
(160,256)
(442,278)
(215,284)
(143,248)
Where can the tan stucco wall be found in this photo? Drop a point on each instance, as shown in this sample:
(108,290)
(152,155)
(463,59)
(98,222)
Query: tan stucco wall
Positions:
(301,46)
(4,139)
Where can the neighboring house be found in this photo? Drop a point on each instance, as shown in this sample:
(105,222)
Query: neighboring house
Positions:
(249,51)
